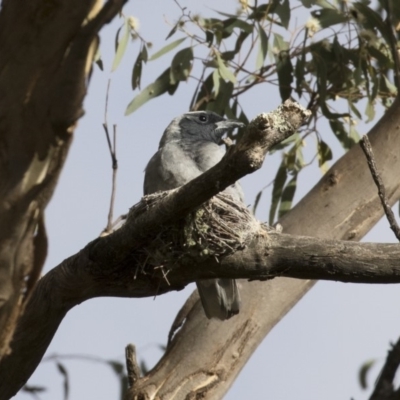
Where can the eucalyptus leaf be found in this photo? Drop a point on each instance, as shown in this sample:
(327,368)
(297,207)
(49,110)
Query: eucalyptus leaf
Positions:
(364,372)
(283,12)
(181,65)
(122,45)
(216,79)
(166,49)
(137,68)
(158,87)
(328,17)
(287,196)
(263,48)
(324,154)
(370,110)
(277,190)
(224,71)
(256,201)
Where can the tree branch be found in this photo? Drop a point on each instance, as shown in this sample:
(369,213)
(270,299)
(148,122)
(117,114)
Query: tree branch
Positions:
(89,273)
(39,106)
(343,205)
(367,149)
(384,388)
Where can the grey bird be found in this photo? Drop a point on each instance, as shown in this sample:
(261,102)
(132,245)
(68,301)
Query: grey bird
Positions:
(189,146)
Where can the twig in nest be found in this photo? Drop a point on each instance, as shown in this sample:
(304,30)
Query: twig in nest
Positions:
(366,147)
(219,227)
(161,267)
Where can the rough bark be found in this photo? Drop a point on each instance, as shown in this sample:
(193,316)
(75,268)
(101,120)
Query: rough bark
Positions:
(205,356)
(43,69)
(107,265)
(39,106)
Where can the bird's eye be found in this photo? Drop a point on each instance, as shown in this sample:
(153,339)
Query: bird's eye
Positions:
(203,118)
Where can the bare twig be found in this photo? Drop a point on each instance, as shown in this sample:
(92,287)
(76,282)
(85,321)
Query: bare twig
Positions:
(132,366)
(384,388)
(113,153)
(366,147)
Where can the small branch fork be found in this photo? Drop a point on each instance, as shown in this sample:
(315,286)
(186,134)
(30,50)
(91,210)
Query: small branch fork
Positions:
(367,149)
(112,146)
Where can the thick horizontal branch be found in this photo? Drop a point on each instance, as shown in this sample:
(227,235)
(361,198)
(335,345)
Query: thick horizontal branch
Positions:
(97,270)
(267,255)
(306,258)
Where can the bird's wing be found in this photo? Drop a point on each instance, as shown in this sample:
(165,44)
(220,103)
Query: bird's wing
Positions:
(169,168)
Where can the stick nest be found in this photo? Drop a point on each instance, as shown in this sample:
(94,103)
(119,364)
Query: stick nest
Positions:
(217,228)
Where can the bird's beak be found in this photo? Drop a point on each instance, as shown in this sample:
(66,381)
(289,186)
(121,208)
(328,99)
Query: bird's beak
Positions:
(227,125)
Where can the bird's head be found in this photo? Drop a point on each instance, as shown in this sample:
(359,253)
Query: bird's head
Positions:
(199,126)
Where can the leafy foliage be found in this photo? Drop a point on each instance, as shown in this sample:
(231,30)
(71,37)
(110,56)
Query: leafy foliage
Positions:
(339,62)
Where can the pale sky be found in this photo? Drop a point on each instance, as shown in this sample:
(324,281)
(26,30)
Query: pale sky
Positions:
(316,350)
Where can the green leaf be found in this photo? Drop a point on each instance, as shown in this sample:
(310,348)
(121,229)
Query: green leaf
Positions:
(294,138)
(277,190)
(204,95)
(300,67)
(328,17)
(287,197)
(363,373)
(354,134)
(308,3)
(280,43)
(63,371)
(324,154)
(97,59)
(354,109)
(225,72)
(372,20)
(137,68)
(283,12)
(158,87)
(224,14)
(173,30)
(166,49)
(33,389)
(284,67)
(121,47)
(256,201)
(209,38)
(181,65)
(145,55)
(222,100)
(117,367)
(321,3)
(340,132)
(262,52)
(300,163)
(216,79)
(285,74)
(230,24)
(388,86)
(370,110)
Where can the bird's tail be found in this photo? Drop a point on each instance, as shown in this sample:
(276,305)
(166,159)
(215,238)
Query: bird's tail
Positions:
(220,298)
